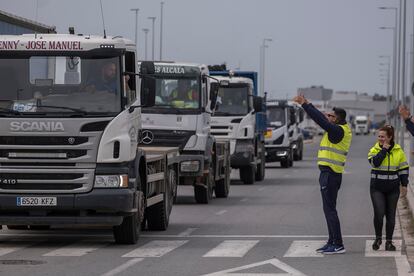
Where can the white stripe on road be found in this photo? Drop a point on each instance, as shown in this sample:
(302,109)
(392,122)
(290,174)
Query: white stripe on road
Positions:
(261,189)
(244,199)
(187,232)
(77,249)
(122,267)
(234,248)
(10,247)
(403,266)
(222,212)
(369,252)
(155,249)
(304,249)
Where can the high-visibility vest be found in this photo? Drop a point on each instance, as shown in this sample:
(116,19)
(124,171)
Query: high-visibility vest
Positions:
(395,163)
(334,155)
(189,94)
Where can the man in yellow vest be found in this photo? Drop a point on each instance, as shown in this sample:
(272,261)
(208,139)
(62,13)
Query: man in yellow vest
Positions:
(332,154)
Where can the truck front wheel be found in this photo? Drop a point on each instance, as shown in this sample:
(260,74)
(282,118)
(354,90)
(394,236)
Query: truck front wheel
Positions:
(247,174)
(128,231)
(204,193)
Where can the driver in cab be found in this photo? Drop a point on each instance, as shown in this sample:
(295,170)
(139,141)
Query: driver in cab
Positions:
(185,95)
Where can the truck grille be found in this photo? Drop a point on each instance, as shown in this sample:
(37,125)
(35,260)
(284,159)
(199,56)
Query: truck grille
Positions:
(218,130)
(48,163)
(168,138)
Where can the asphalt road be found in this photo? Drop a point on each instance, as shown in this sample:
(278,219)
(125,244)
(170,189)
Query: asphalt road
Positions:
(269,228)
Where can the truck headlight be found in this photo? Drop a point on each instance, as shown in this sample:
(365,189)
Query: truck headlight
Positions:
(111,181)
(281,153)
(190,166)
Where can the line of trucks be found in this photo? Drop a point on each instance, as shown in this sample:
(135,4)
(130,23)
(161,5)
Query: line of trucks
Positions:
(91,136)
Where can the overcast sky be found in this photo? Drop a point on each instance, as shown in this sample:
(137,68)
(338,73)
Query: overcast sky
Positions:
(334,43)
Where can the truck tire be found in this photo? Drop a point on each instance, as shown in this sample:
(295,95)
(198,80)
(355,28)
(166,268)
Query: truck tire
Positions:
(128,231)
(158,216)
(247,174)
(287,163)
(223,185)
(261,168)
(204,193)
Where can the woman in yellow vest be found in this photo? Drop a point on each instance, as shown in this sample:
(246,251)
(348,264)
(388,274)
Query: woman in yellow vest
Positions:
(389,172)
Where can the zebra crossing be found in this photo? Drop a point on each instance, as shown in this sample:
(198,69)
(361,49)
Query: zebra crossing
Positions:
(157,248)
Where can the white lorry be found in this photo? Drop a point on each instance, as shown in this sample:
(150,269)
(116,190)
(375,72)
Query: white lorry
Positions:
(240,120)
(69,129)
(181,118)
(284,139)
(361,125)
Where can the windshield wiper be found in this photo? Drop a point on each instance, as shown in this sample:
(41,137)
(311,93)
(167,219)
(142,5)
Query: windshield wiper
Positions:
(9,111)
(225,113)
(77,110)
(171,107)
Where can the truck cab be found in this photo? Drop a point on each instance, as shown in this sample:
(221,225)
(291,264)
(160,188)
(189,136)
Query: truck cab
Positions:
(69,123)
(284,139)
(238,118)
(362,125)
(181,118)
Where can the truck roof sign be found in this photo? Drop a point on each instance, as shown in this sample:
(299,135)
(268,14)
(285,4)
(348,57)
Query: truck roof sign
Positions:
(40,45)
(176,70)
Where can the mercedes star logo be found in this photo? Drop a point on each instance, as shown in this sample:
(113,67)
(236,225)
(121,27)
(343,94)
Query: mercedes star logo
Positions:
(71,140)
(147,137)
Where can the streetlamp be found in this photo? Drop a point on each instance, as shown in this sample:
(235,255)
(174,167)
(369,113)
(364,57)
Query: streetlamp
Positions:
(263,64)
(136,25)
(146,30)
(153,36)
(161,27)
(388,64)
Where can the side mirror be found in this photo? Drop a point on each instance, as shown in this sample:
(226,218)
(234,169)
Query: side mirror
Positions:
(148,83)
(292,115)
(301,115)
(214,88)
(257,104)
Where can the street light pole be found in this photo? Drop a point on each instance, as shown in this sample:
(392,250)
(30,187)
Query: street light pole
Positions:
(403,15)
(388,64)
(263,65)
(394,99)
(136,26)
(161,27)
(153,36)
(146,30)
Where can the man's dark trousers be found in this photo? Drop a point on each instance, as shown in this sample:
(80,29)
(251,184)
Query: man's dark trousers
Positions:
(330,183)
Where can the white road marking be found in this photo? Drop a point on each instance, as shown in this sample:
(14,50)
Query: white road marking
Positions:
(222,212)
(369,252)
(304,249)
(287,176)
(155,249)
(187,232)
(233,248)
(261,189)
(244,199)
(77,249)
(288,270)
(403,266)
(122,267)
(259,236)
(10,247)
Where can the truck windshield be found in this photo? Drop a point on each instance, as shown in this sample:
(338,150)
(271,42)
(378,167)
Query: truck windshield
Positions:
(232,101)
(361,122)
(176,95)
(276,116)
(60,84)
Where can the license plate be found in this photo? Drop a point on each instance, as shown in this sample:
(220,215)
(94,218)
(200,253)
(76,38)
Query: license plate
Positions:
(36,201)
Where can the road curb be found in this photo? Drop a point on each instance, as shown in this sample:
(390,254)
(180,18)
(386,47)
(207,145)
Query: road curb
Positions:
(406,219)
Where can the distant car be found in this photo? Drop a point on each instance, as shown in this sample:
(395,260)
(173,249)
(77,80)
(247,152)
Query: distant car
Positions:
(307,134)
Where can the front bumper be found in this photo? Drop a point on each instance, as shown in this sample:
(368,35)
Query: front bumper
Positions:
(98,207)
(186,158)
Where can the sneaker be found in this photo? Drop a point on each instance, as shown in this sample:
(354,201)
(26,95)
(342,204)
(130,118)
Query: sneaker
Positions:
(389,246)
(323,248)
(376,244)
(334,249)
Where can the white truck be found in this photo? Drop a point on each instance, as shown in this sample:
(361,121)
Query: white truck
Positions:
(240,120)
(181,118)
(361,125)
(69,128)
(284,139)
